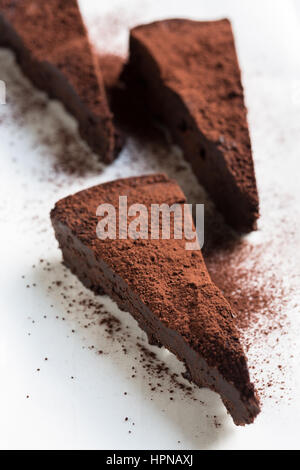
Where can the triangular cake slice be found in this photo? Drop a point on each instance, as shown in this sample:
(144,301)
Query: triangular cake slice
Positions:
(52,47)
(192,82)
(165,287)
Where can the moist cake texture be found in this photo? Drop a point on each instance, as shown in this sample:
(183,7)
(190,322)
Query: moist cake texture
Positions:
(191,79)
(165,287)
(51,45)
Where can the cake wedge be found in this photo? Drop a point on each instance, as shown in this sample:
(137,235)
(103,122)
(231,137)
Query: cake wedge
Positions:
(191,79)
(52,47)
(164,286)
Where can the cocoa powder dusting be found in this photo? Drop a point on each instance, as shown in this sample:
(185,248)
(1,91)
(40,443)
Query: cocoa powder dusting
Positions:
(260,299)
(53,133)
(249,274)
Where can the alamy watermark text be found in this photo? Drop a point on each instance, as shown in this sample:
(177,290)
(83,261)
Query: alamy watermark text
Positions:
(157,222)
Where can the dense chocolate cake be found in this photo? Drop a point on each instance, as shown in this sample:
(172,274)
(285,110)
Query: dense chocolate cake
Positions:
(52,47)
(127,104)
(165,287)
(111,66)
(192,83)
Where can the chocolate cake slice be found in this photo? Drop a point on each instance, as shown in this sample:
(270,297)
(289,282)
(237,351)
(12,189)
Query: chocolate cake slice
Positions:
(52,47)
(165,287)
(191,78)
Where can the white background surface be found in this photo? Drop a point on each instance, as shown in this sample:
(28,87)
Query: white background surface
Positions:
(89,410)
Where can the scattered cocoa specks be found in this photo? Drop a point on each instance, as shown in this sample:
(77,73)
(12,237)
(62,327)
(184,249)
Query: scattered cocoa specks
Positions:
(90,313)
(217,424)
(253,288)
(260,299)
(259,302)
